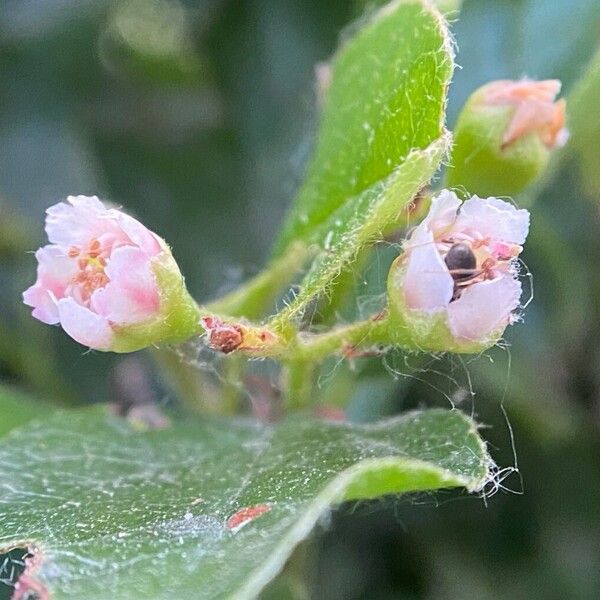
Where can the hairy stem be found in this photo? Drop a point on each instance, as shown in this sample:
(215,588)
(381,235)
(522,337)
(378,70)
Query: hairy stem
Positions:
(190,385)
(298,379)
(233,374)
(347,339)
(253,298)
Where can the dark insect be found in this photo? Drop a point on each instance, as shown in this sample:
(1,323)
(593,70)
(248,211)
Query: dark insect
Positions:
(461,262)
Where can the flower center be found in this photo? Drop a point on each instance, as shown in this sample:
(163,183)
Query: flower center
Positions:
(461,261)
(91,263)
(469,264)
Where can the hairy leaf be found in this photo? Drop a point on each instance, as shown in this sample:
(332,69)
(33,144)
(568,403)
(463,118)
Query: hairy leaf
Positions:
(207,509)
(386,98)
(362,220)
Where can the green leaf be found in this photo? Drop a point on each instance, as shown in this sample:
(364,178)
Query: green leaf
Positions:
(361,221)
(451,7)
(585,126)
(386,98)
(118,513)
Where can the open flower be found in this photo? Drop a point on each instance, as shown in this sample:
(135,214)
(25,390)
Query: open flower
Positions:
(456,284)
(110,282)
(505,134)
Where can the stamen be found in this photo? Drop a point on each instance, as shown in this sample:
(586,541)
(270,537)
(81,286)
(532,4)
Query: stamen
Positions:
(91,275)
(488,268)
(480,242)
(95,248)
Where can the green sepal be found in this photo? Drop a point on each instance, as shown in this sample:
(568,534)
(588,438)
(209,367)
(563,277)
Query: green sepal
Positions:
(421,330)
(179,315)
(480,164)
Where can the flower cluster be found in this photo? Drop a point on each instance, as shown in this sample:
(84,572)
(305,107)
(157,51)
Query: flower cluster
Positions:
(113,284)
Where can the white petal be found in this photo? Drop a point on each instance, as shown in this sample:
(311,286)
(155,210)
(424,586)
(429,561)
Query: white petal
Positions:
(139,234)
(484,308)
(54,273)
(43,303)
(92,203)
(85,326)
(427,283)
(442,213)
(55,269)
(493,218)
(78,222)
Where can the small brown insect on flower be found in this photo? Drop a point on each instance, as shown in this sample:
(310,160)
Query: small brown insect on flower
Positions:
(461,262)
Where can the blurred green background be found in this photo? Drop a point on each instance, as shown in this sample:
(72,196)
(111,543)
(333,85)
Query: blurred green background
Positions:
(198,117)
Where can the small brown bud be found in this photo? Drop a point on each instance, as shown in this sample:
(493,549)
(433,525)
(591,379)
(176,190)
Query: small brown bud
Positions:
(223,337)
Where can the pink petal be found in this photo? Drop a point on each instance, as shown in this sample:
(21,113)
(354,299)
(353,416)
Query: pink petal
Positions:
(132,294)
(427,283)
(484,308)
(530,116)
(44,304)
(139,234)
(85,326)
(535,109)
(81,220)
(493,218)
(506,91)
(55,271)
(90,203)
(442,213)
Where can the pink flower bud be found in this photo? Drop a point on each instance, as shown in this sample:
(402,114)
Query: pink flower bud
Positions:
(456,285)
(109,281)
(535,109)
(505,135)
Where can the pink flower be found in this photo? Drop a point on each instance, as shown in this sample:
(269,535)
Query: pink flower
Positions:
(97,277)
(460,262)
(535,109)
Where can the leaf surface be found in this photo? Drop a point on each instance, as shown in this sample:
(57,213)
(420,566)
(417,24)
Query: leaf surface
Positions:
(361,221)
(386,98)
(119,513)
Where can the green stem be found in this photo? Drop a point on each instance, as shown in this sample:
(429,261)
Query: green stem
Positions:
(303,354)
(314,347)
(298,383)
(290,345)
(191,386)
(233,373)
(250,300)
(254,297)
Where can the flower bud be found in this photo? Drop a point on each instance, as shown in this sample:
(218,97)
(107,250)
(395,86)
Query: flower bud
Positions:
(111,283)
(504,136)
(455,287)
